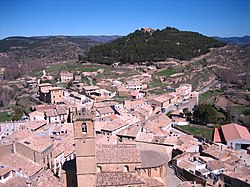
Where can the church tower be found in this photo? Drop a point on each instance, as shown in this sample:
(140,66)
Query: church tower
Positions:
(84,132)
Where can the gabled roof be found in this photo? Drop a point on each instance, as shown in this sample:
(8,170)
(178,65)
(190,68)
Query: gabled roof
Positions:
(234,131)
(164,98)
(112,117)
(217,138)
(51,113)
(16,162)
(105,110)
(118,179)
(215,164)
(134,93)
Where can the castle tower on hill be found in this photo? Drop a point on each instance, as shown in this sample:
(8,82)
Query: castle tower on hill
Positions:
(84,133)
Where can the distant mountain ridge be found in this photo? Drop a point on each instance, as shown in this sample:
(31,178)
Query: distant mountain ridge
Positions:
(101,38)
(51,48)
(148,45)
(245,40)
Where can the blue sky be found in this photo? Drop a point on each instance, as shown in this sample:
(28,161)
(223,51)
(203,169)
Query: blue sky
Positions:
(110,17)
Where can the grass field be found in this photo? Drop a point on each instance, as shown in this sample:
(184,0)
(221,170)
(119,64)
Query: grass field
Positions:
(238,109)
(166,72)
(198,130)
(73,67)
(156,83)
(4,117)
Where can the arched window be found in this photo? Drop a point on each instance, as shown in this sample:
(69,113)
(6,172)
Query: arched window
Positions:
(99,169)
(126,168)
(84,128)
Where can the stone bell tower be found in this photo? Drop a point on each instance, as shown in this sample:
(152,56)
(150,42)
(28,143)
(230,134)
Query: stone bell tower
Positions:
(84,132)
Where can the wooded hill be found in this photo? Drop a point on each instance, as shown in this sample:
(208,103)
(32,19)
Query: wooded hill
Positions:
(52,49)
(152,45)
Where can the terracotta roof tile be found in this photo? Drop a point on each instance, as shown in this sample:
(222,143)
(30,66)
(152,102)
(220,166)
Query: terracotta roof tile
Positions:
(16,161)
(48,179)
(131,131)
(105,110)
(14,182)
(234,131)
(118,179)
(117,154)
(215,164)
(151,182)
(164,98)
(217,138)
(36,143)
(134,93)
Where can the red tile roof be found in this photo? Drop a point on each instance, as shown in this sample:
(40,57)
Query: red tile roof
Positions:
(217,138)
(112,116)
(134,93)
(234,132)
(118,179)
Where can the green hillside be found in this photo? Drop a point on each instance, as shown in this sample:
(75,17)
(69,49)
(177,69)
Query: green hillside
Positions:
(149,45)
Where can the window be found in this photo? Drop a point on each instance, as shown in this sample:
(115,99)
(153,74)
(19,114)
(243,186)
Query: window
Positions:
(84,128)
(126,168)
(99,169)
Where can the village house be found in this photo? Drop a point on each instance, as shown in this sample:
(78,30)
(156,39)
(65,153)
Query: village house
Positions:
(91,90)
(52,95)
(184,90)
(42,108)
(162,101)
(132,85)
(35,125)
(47,78)
(156,124)
(36,116)
(56,95)
(123,91)
(37,149)
(105,84)
(77,77)
(236,136)
(128,104)
(7,128)
(104,111)
(66,76)
(213,165)
(136,95)
(235,179)
(74,98)
(52,116)
(31,84)
(57,115)
(111,128)
(14,165)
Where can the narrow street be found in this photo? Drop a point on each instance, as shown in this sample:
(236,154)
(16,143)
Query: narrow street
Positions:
(173,181)
(211,85)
